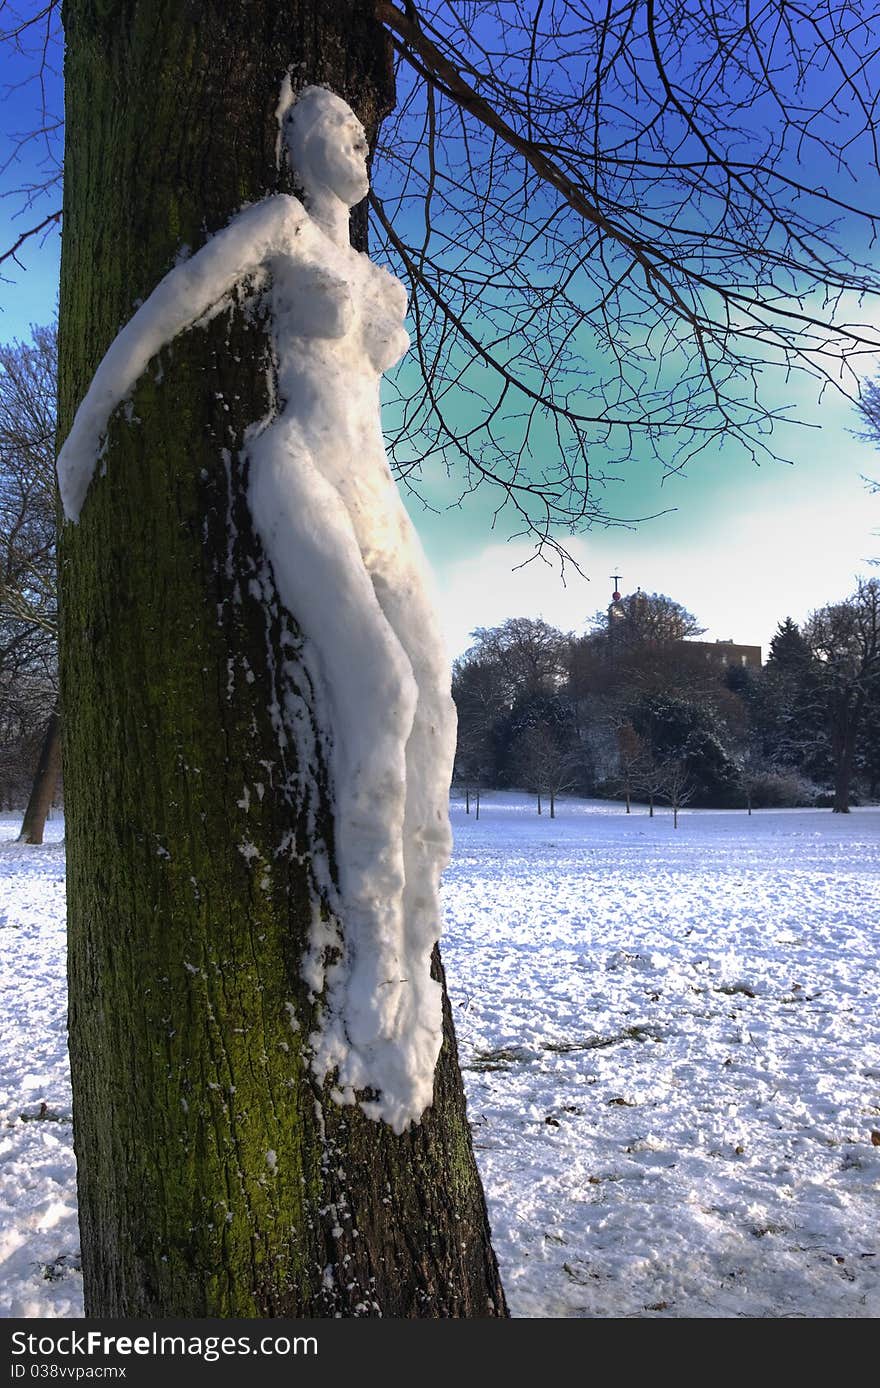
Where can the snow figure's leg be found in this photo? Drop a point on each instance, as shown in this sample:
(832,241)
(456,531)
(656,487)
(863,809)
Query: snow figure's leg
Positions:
(305,528)
(404,589)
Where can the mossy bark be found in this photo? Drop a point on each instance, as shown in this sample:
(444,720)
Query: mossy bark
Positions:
(215,1177)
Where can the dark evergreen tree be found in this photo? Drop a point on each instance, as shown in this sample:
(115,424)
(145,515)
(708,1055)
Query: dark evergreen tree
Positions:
(844,638)
(788,650)
(688,734)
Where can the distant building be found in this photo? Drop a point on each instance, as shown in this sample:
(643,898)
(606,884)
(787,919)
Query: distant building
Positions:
(728,653)
(723,653)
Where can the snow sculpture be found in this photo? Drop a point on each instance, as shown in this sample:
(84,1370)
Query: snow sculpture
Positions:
(349,567)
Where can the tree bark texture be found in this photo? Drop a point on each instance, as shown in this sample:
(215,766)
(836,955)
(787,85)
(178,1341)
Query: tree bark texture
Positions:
(216,1178)
(45,782)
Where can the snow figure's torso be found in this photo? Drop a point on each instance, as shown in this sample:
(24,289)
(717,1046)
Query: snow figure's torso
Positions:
(338,323)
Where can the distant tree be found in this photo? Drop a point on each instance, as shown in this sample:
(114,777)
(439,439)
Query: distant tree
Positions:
(632,755)
(28,386)
(547,762)
(529,655)
(481,692)
(646,619)
(869,750)
(788,650)
(785,727)
(28,586)
(676,786)
(642,644)
(649,780)
(844,639)
(676,729)
(25,701)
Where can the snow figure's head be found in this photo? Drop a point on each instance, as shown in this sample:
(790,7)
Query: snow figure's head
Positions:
(328,147)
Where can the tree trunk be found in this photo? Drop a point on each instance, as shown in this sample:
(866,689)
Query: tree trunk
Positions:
(651,807)
(216,1177)
(477,816)
(467,799)
(45,782)
(552,804)
(539,803)
(842,783)
(843,768)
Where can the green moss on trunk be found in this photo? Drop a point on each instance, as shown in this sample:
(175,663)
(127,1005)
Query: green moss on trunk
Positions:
(215,1178)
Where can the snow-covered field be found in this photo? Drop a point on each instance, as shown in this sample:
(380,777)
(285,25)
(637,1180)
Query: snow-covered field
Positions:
(671,1045)
(39,1234)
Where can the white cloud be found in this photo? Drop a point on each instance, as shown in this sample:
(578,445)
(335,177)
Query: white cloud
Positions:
(739,570)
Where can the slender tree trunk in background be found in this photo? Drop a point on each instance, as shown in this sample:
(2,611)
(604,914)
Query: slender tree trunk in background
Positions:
(467,799)
(844,751)
(842,785)
(45,783)
(216,1178)
(552,804)
(650,807)
(539,802)
(478,803)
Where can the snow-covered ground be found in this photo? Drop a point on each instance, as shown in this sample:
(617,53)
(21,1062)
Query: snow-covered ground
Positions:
(671,1045)
(39,1234)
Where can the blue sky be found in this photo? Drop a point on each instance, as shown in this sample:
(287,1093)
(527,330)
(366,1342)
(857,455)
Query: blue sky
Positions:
(739,545)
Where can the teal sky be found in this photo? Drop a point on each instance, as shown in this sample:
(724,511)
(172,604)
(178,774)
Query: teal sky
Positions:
(741,546)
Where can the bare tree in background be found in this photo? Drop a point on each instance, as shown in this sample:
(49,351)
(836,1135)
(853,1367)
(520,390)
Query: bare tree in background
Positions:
(31,163)
(28,585)
(622,227)
(548,763)
(630,755)
(675,785)
(526,654)
(869,409)
(649,778)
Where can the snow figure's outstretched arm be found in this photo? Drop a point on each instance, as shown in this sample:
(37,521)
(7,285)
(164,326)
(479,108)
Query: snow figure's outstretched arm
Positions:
(187,293)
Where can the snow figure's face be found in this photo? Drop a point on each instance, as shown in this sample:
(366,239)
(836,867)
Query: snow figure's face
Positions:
(328,147)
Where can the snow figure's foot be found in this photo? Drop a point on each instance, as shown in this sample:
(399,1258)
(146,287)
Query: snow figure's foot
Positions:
(377,983)
(400,1069)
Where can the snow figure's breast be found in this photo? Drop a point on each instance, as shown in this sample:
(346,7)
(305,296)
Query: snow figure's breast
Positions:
(338,325)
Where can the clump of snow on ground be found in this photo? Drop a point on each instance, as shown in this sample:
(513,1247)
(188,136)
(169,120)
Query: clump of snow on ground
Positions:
(670,1044)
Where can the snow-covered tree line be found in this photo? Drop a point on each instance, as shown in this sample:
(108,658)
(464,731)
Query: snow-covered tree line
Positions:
(623,710)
